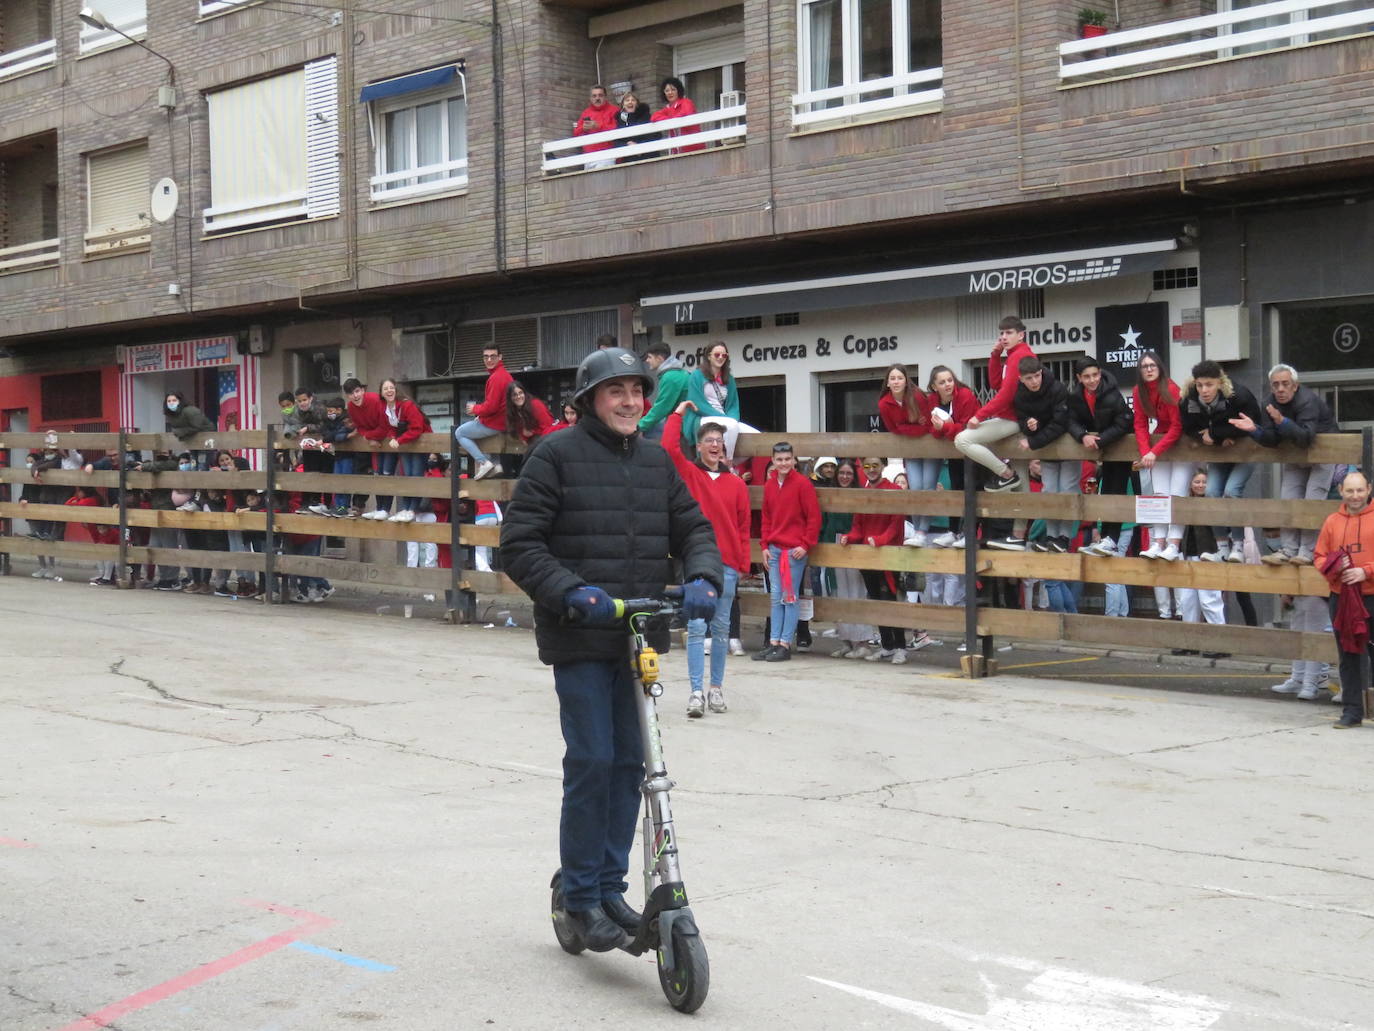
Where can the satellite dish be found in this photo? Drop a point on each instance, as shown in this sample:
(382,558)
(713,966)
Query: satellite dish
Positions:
(163,203)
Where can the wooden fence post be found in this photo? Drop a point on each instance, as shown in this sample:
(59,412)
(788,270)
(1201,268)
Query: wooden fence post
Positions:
(269,547)
(455,524)
(123,579)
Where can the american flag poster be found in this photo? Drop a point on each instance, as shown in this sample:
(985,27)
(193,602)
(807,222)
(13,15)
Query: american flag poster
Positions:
(228,390)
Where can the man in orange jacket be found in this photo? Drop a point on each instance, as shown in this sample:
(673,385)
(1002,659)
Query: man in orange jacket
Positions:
(1345,554)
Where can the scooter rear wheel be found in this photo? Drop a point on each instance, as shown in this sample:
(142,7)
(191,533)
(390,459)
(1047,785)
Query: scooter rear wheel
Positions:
(686,985)
(568,939)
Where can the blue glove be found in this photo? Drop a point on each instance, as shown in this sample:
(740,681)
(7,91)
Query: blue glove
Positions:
(589,605)
(699,600)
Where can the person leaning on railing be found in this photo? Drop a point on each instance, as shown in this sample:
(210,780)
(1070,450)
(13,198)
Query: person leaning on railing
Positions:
(1098,418)
(676,104)
(632,113)
(1156,399)
(1293,414)
(1210,404)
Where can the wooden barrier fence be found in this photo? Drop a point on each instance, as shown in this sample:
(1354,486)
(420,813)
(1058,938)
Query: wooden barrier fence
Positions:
(980,624)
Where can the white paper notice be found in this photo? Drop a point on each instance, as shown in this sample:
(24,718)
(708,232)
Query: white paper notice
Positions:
(1154,509)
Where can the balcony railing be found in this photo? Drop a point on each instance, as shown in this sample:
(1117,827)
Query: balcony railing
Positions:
(1210,37)
(410,183)
(659,139)
(28,59)
(841,102)
(93,39)
(25,256)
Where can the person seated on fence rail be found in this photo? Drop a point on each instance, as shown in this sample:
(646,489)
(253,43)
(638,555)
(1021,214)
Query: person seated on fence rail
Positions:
(488,416)
(996,420)
(367,415)
(878,530)
(676,104)
(1041,406)
(791,526)
(1210,403)
(1155,400)
(670,390)
(954,404)
(1295,415)
(337,429)
(186,421)
(1098,418)
(597,116)
(1344,553)
(724,500)
(405,424)
(711,388)
(631,114)
(574,537)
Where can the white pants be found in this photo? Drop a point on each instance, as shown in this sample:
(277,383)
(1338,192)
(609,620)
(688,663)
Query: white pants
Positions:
(1169,478)
(1311,615)
(1310,482)
(481,555)
(973,443)
(423,553)
(849,583)
(1164,601)
(1191,600)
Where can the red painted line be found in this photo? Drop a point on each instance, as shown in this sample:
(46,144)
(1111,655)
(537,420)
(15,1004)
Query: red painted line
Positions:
(16,843)
(310,923)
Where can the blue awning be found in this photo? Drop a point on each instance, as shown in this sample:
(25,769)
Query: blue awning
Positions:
(408,83)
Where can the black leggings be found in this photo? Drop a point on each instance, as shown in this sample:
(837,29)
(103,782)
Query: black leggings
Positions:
(875,581)
(1115,478)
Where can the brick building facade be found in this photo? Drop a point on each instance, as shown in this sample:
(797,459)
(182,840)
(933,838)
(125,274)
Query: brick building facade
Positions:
(934,137)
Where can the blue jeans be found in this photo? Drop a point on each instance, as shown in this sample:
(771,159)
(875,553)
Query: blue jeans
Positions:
(1228,480)
(343,466)
(469,433)
(1060,597)
(923,474)
(783,615)
(603,766)
(1060,478)
(1116,602)
(720,637)
(411,463)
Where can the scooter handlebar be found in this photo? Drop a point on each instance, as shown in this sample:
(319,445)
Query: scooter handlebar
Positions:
(626,607)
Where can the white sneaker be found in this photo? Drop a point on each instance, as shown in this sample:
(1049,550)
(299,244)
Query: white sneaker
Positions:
(923,640)
(1338,697)
(916,540)
(1105,548)
(406,516)
(715,699)
(1166,615)
(54,578)
(880,654)
(1289,686)
(899,656)
(1155,550)
(1212,556)
(1171,553)
(323,510)
(736,646)
(484,470)
(958,544)
(696,705)
(859,651)
(1308,693)
(1235,557)
(842,653)
(376,513)
(39,574)
(945,540)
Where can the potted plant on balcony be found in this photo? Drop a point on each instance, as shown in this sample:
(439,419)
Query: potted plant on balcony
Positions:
(1091,22)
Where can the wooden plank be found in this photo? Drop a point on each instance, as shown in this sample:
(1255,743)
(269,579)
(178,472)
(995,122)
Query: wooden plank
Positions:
(1308,515)
(487,583)
(432,580)
(1143,572)
(1243,641)
(242,440)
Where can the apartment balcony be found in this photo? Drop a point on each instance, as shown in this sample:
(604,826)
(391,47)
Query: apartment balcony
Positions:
(26,37)
(28,204)
(671,137)
(1186,42)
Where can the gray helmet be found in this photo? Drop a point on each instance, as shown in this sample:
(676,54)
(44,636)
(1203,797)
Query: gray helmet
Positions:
(607,364)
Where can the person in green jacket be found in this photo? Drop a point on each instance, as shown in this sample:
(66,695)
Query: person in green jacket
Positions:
(711,388)
(186,421)
(670,390)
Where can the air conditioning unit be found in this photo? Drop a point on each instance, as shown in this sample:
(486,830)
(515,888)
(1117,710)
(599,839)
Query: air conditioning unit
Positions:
(730,98)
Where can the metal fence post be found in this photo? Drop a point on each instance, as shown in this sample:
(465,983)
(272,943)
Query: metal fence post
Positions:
(123,579)
(455,526)
(269,547)
(970,529)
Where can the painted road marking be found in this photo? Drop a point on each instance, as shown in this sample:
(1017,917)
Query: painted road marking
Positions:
(343,957)
(1050,662)
(16,843)
(310,923)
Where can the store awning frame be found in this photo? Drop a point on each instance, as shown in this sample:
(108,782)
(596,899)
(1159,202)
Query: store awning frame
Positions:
(895,286)
(412,83)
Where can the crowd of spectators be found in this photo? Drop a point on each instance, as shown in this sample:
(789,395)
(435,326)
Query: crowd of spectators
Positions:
(602,116)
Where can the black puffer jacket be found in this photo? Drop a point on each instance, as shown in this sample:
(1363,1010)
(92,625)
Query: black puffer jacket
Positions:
(1233,400)
(1303,418)
(1048,406)
(593,507)
(1109,418)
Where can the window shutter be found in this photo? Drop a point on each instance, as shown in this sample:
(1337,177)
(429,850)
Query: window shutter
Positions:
(708,53)
(257,152)
(118,190)
(322,137)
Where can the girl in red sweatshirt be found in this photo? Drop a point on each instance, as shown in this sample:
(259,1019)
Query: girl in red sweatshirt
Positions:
(404,425)
(1155,399)
(905,410)
(953,404)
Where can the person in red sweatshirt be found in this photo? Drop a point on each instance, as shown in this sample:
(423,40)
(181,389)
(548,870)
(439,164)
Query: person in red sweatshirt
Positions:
(790,528)
(1155,400)
(598,116)
(367,413)
(905,410)
(724,500)
(405,424)
(954,404)
(879,530)
(489,417)
(996,420)
(527,417)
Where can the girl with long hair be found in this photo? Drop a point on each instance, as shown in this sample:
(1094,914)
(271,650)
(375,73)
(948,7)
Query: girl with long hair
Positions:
(905,410)
(953,404)
(405,424)
(1156,399)
(711,388)
(526,417)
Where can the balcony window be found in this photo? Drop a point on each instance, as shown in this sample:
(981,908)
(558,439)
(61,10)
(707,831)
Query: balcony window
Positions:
(26,36)
(1240,28)
(867,57)
(419,134)
(28,204)
(712,70)
(117,196)
(129,16)
(274,147)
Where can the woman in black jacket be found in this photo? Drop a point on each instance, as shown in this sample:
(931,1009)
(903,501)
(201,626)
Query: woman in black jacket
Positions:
(1098,418)
(633,113)
(1210,401)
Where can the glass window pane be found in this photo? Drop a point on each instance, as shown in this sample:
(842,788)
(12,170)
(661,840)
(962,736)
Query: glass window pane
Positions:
(703,88)
(826,28)
(1327,338)
(925,35)
(875,40)
(457,129)
(429,137)
(398,133)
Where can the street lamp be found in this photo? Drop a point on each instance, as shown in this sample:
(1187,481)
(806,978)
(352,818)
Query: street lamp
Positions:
(166,95)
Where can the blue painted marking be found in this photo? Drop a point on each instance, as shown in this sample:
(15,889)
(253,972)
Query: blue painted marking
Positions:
(343,957)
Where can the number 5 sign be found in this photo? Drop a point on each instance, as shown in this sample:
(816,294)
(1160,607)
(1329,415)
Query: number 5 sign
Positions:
(1346,337)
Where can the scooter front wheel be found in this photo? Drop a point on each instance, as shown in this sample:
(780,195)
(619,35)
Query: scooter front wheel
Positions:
(568,938)
(687,983)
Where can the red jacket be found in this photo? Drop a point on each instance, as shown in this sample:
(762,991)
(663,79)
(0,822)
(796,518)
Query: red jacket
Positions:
(884,529)
(791,513)
(1354,533)
(724,499)
(100,533)
(963,407)
(369,418)
(1003,378)
(604,117)
(408,412)
(679,108)
(1167,422)
(894,415)
(543,421)
(492,411)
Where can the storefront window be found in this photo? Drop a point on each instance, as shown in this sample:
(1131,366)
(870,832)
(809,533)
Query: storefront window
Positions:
(764,407)
(852,406)
(1328,337)
(317,370)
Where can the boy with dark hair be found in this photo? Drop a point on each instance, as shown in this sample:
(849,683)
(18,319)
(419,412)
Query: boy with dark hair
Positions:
(1210,402)
(670,390)
(1098,417)
(488,416)
(791,527)
(1041,404)
(996,420)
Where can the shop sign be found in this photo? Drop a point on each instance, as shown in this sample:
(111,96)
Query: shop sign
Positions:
(144,358)
(205,352)
(1125,332)
(211,352)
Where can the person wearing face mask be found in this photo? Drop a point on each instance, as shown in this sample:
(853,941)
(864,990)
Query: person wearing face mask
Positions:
(186,421)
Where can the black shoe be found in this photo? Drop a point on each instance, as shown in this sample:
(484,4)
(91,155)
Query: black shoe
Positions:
(1008,543)
(1345,723)
(1010,483)
(597,930)
(1216,655)
(1059,544)
(1183,651)
(619,910)
(803,637)
(779,654)
(763,655)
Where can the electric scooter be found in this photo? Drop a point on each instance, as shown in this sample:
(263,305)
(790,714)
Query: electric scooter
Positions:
(666,924)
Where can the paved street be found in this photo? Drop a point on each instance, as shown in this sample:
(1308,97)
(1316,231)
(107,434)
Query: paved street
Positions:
(221,816)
